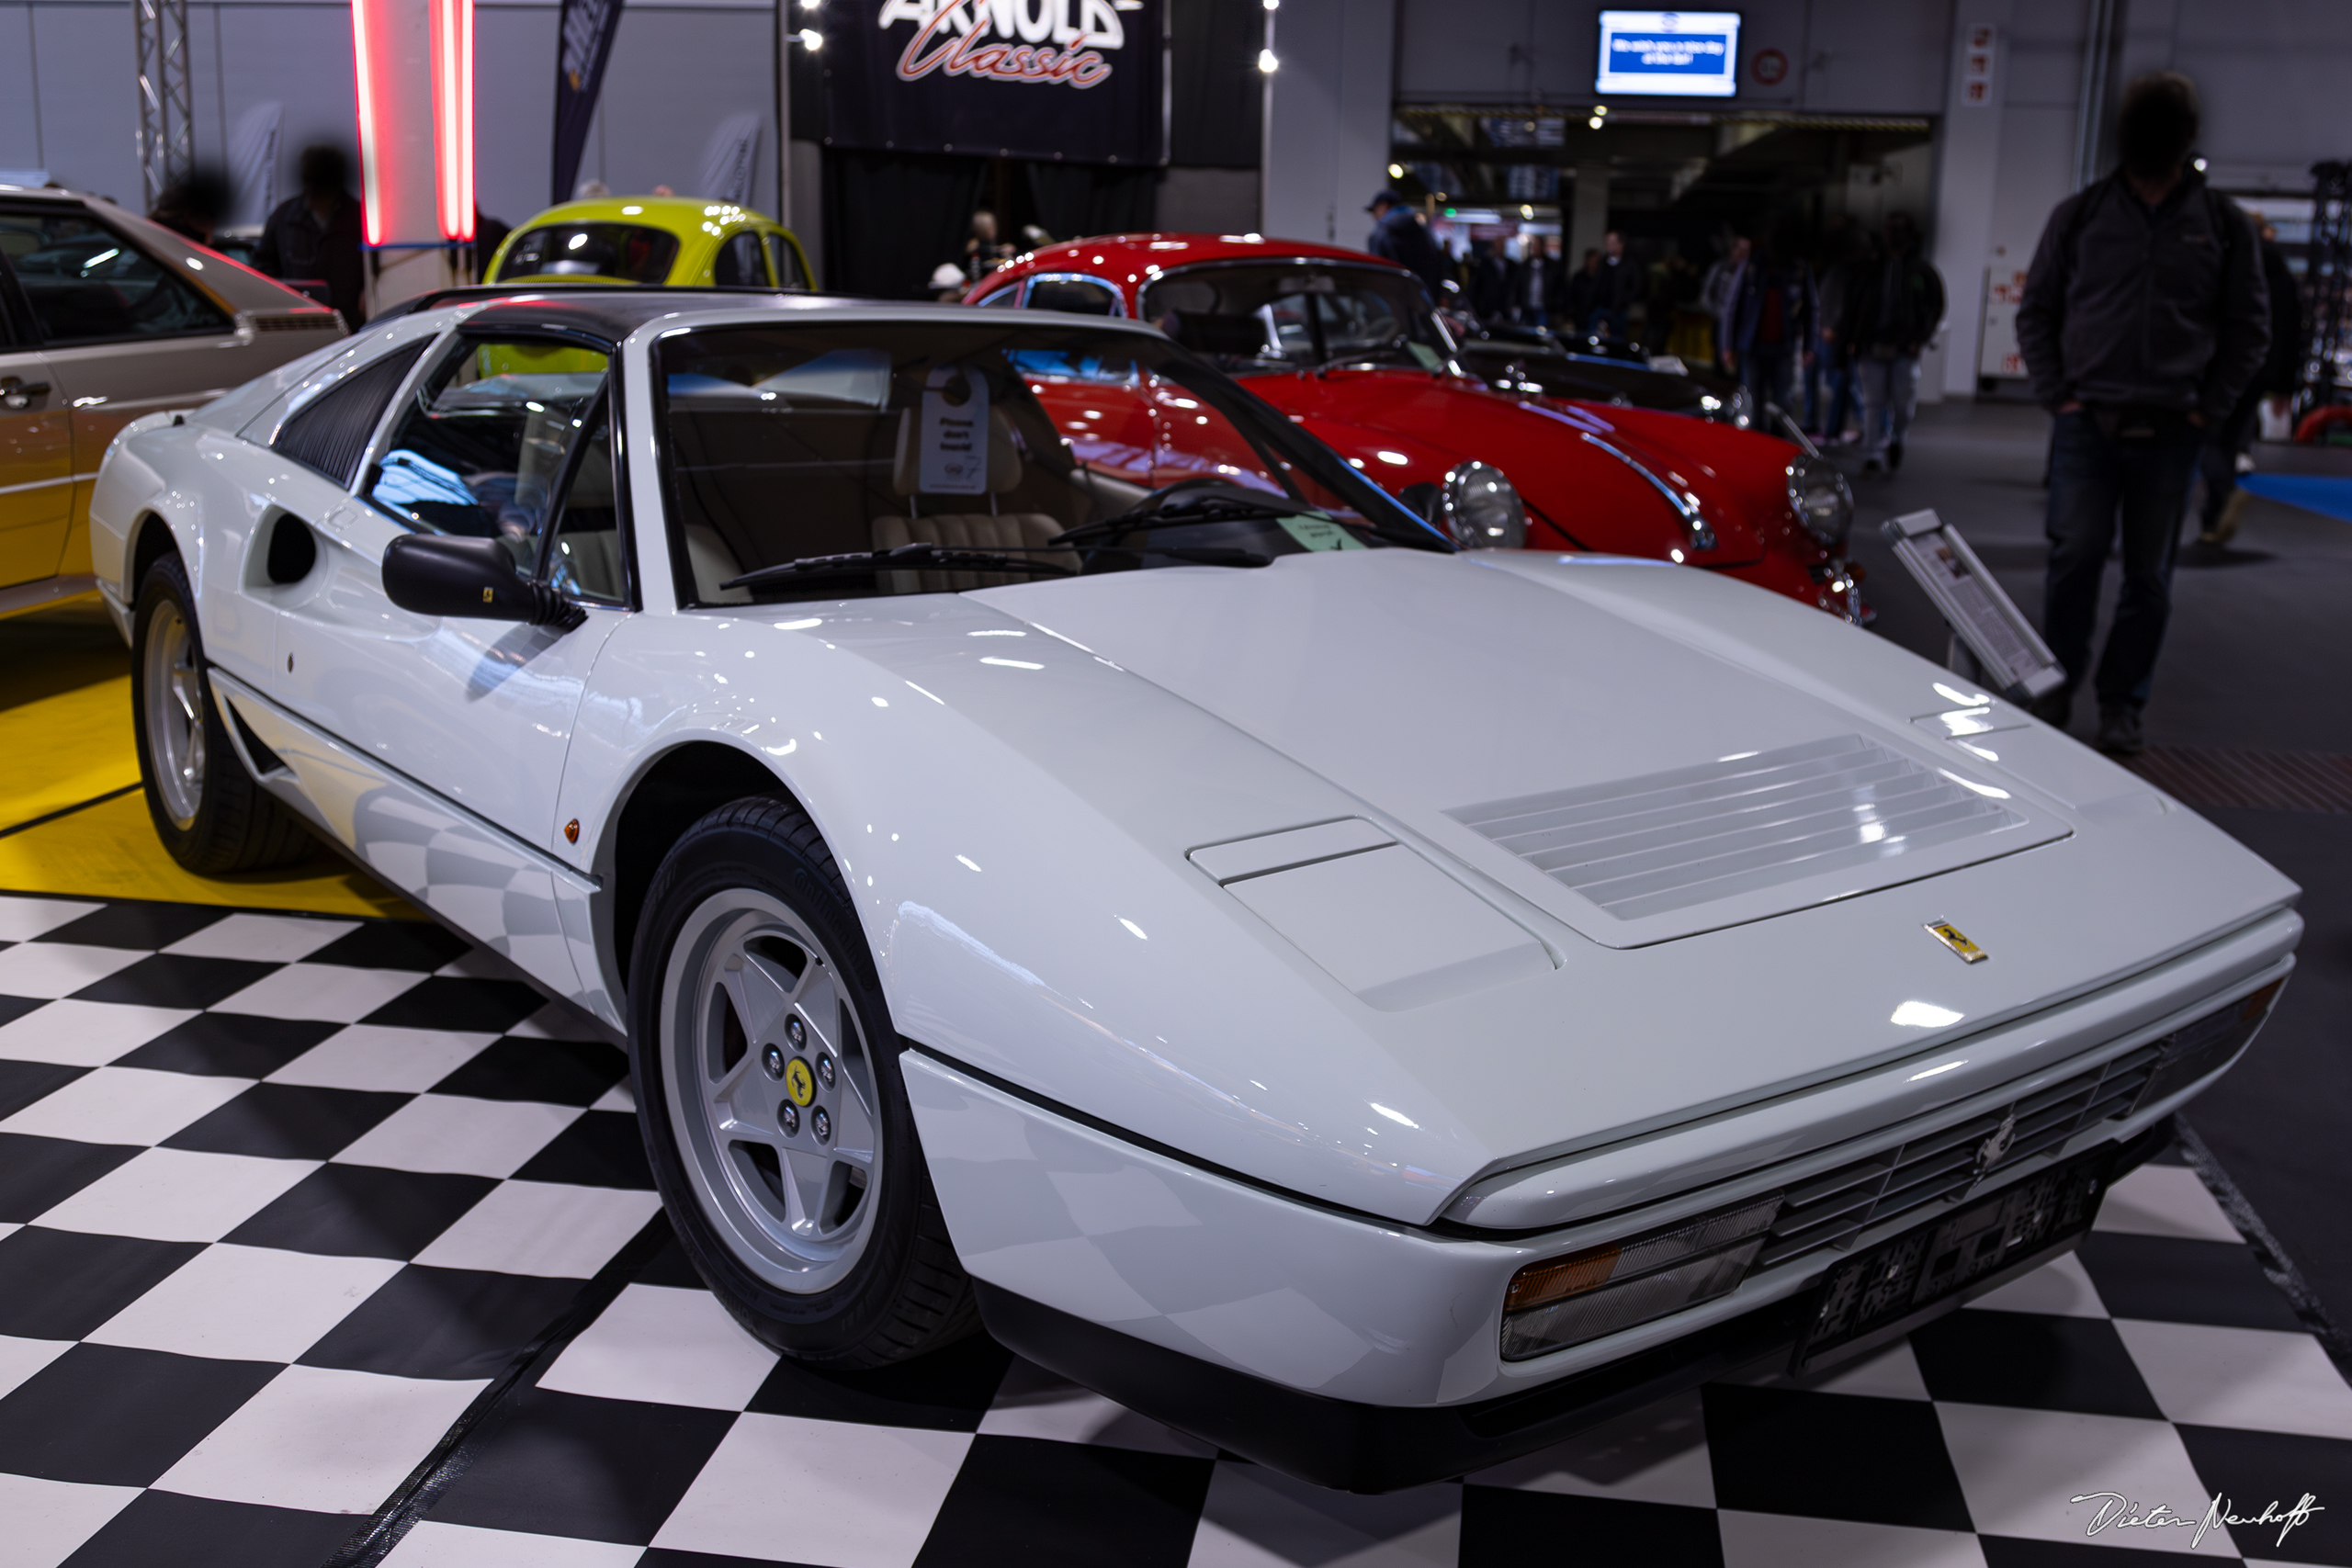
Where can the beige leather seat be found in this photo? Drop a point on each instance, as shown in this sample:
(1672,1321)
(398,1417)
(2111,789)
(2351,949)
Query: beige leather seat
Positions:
(988,530)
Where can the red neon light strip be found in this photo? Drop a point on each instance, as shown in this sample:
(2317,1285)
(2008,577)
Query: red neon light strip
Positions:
(453,116)
(370,196)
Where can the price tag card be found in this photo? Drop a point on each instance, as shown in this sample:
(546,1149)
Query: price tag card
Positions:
(954,433)
(1319,533)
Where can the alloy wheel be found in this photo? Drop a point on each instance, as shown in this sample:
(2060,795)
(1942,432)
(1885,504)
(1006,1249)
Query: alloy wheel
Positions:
(175,716)
(771,1090)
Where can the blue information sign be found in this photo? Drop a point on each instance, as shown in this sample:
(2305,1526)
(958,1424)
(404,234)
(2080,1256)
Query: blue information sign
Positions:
(1684,54)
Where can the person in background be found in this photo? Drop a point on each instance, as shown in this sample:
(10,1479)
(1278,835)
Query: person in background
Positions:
(1719,295)
(2223,457)
(1489,289)
(1892,308)
(1772,323)
(2144,319)
(1397,235)
(1615,289)
(1845,253)
(192,207)
(1534,284)
(983,252)
(1576,295)
(489,235)
(316,235)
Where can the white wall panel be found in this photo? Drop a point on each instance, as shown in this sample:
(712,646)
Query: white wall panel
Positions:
(89,114)
(1328,125)
(513,109)
(676,73)
(1869,57)
(19,121)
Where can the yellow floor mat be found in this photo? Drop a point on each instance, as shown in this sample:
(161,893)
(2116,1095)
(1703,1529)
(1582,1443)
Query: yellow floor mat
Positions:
(65,739)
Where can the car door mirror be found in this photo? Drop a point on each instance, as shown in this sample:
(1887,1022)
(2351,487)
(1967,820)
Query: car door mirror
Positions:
(437,574)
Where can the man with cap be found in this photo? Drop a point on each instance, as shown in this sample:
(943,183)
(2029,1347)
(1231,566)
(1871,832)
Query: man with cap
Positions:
(1397,236)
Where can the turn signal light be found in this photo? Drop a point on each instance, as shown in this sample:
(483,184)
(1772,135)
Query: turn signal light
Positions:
(1566,1301)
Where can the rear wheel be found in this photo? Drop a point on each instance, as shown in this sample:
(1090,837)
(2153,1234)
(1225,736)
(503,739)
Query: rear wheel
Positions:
(207,809)
(768,1085)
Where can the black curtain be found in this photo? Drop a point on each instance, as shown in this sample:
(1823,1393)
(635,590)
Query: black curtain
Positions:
(1216,97)
(891,217)
(1074,200)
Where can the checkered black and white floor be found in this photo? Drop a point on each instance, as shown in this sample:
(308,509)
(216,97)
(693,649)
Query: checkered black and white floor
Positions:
(320,1241)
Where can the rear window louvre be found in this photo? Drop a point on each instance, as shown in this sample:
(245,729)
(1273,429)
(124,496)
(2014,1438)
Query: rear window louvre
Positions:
(330,433)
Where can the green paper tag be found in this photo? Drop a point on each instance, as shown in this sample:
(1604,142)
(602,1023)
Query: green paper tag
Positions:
(1429,358)
(1318,532)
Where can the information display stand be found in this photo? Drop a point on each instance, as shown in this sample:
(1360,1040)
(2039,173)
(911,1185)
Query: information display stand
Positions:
(2001,644)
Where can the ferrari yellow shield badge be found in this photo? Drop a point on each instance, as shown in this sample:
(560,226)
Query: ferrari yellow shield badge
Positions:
(1952,936)
(798,1082)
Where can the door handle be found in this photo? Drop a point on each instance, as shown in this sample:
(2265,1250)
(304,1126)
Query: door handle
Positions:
(18,393)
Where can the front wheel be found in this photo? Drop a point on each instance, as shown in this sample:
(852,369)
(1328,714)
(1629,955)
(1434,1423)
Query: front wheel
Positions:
(208,812)
(767,1084)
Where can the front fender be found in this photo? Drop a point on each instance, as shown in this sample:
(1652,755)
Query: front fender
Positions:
(1011,816)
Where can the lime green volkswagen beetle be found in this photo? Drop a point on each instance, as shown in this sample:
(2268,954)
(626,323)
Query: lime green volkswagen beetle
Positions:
(653,240)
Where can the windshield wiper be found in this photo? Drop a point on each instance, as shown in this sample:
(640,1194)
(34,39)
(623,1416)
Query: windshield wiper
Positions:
(922,557)
(1181,512)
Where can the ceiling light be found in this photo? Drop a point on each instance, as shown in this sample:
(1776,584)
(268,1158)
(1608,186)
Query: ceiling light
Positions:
(1396,171)
(1267,63)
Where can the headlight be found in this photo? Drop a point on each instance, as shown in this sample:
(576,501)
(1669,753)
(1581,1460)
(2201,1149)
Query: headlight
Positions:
(1818,490)
(1566,1301)
(1481,511)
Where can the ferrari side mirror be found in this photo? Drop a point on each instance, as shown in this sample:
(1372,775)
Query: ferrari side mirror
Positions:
(439,575)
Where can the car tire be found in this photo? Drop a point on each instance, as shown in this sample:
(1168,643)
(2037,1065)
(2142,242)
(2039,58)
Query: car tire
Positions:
(211,816)
(767,1074)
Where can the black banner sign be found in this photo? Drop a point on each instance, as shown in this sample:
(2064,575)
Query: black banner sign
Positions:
(583,43)
(1077,80)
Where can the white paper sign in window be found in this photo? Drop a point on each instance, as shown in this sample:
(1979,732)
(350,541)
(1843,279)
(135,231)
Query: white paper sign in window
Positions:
(954,433)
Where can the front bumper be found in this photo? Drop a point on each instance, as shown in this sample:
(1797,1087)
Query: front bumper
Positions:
(1369,1448)
(1139,1272)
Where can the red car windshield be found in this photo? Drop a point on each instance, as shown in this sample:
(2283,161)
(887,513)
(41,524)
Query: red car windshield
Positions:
(1293,315)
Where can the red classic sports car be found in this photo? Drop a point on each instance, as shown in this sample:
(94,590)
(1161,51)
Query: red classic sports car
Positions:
(1349,346)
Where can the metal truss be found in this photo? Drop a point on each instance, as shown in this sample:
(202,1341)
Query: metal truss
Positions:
(2327,311)
(166,137)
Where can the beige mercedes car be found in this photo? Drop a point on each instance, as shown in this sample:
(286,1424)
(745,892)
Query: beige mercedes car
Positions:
(104,317)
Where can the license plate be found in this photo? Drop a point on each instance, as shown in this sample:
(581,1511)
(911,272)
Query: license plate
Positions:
(1901,1277)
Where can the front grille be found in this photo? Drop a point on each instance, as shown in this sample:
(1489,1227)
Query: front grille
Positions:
(1832,1209)
(1666,841)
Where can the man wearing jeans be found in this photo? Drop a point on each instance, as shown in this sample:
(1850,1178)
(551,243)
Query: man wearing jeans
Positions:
(1891,307)
(2144,318)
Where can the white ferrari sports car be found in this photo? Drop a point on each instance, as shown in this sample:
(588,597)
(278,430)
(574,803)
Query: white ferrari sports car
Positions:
(1374,1006)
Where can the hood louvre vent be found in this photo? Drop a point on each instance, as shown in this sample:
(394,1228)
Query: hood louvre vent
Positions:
(1671,841)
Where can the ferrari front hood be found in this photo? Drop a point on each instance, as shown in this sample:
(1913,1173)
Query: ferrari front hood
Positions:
(1633,787)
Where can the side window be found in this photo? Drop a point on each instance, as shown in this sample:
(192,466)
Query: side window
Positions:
(587,561)
(482,442)
(87,284)
(1002,300)
(1078,296)
(739,263)
(330,433)
(787,262)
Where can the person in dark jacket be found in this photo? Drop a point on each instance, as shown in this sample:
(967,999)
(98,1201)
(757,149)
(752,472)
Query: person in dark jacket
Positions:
(2144,319)
(1615,288)
(316,235)
(1397,235)
(1533,292)
(1577,293)
(1489,286)
(1772,323)
(1889,310)
(2281,368)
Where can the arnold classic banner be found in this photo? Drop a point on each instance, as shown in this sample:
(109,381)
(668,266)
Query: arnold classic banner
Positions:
(1076,80)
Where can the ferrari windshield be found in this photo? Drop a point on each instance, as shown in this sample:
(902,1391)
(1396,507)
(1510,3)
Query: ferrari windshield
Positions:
(1260,316)
(803,444)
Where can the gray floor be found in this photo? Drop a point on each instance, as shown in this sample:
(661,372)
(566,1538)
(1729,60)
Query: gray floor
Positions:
(2255,657)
